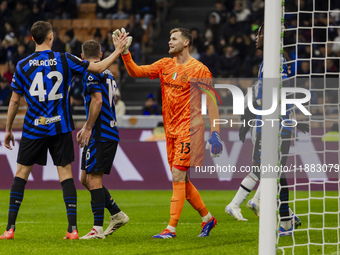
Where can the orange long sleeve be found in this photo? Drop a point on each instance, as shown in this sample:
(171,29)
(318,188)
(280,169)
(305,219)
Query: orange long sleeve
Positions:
(134,70)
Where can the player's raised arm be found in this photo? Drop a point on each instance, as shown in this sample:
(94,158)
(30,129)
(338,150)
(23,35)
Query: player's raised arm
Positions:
(12,112)
(133,69)
(101,66)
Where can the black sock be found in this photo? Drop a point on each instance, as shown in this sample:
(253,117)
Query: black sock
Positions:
(97,203)
(110,204)
(284,198)
(15,200)
(70,199)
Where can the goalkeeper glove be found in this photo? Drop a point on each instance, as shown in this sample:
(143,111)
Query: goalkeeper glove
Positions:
(303,127)
(117,33)
(216,147)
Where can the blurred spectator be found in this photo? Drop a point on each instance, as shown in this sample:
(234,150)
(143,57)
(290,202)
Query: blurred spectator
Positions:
(304,68)
(35,15)
(197,41)
(193,52)
(19,18)
(229,29)
(151,107)
(108,46)
(5,15)
(72,44)
(144,10)
(330,66)
(119,105)
(67,9)
(6,48)
(58,45)
(210,59)
(5,92)
(137,34)
(98,36)
(76,91)
(219,10)
(124,9)
(106,9)
(20,53)
(49,8)
(10,72)
(241,11)
(214,26)
(229,64)
(240,43)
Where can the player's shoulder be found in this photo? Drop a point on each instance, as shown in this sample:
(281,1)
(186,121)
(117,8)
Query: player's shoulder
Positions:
(27,59)
(199,67)
(167,61)
(90,77)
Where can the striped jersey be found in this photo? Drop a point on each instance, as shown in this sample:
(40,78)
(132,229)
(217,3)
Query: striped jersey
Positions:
(181,102)
(44,78)
(105,128)
(258,94)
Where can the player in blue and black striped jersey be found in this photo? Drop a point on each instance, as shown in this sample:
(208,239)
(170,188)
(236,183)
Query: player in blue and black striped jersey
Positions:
(44,79)
(100,137)
(249,182)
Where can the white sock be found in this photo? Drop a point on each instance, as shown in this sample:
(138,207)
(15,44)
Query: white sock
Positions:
(286,224)
(171,228)
(118,216)
(249,183)
(207,217)
(257,193)
(99,229)
(290,212)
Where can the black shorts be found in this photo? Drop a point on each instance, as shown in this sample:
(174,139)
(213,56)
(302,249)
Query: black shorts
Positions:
(285,146)
(34,151)
(98,157)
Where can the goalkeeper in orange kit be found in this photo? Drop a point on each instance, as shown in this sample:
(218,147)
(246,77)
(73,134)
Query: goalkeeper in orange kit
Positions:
(183,80)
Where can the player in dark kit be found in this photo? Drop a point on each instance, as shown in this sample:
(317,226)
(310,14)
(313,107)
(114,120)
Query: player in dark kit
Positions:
(100,137)
(44,79)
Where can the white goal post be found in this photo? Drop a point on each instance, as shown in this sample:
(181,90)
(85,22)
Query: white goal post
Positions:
(269,139)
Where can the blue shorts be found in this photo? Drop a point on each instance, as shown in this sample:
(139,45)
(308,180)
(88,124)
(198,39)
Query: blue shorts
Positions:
(98,157)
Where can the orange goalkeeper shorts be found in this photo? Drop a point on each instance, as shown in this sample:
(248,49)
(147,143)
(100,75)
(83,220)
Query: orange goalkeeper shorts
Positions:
(186,151)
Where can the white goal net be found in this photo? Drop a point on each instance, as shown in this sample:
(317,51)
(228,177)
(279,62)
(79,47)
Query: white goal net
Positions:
(311,46)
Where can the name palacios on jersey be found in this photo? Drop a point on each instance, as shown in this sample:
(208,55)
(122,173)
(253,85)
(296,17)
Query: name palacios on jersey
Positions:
(42,62)
(46,121)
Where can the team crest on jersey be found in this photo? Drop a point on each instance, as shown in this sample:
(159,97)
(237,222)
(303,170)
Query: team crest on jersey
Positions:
(184,77)
(46,121)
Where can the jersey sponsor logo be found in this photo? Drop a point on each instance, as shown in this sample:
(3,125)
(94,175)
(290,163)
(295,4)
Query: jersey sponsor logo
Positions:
(46,121)
(184,77)
(90,78)
(113,123)
(173,86)
(165,74)
(47,62)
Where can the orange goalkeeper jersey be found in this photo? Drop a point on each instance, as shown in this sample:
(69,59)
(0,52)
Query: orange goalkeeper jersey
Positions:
(180,105)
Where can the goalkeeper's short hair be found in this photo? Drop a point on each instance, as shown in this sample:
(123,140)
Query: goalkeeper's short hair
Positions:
(184,32)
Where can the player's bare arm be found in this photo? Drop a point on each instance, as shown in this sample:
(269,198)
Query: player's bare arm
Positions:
(83,136)
(101,66)
(12,112)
